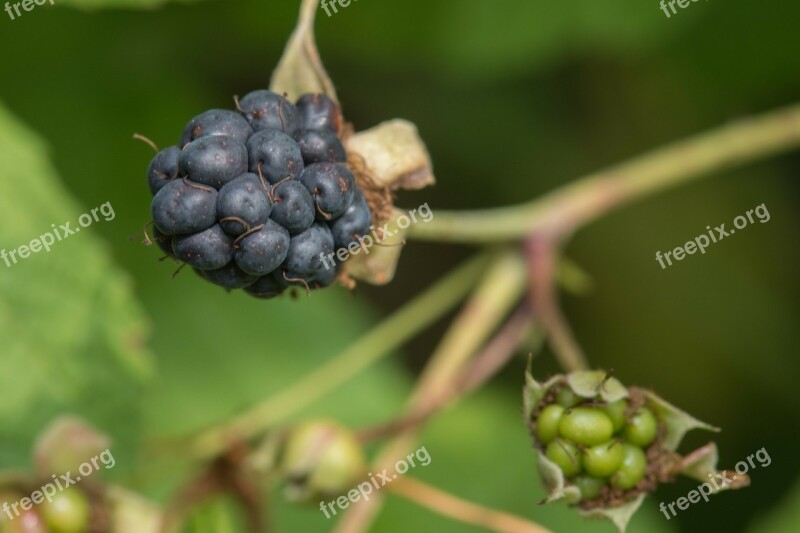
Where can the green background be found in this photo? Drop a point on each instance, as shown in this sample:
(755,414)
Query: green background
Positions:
(513,98)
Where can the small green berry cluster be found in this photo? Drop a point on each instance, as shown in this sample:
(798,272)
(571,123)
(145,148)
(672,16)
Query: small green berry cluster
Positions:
(596,446)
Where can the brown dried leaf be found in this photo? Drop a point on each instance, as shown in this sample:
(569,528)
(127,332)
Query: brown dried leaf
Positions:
(397,156)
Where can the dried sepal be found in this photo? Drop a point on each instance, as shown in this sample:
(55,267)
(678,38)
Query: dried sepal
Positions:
(396,155)
(377,264)
(300,70)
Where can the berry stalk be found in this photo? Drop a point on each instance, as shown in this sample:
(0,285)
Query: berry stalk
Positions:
(567,209)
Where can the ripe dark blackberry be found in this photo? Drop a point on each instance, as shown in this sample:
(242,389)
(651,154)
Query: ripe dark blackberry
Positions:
(163,168)
(332,186)
(243,204)
(207,250)
(274,155)
(266,287)
(229,277)
(213,160)
(318,111)
(320,146)
(293,207)
(263,250)
(259,199)
(217,122)
(183,207)
(353,224)
(268,110)
(307,249)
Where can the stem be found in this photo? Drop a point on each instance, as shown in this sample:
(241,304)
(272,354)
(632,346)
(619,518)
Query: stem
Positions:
(502,287)
(380,341)
(576,204)
(542,251)
(450,506)
(494,357)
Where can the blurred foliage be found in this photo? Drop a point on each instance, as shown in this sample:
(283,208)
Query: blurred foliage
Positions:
(514,98)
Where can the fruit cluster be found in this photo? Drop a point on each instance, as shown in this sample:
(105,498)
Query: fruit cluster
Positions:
(259,198)
(600,448)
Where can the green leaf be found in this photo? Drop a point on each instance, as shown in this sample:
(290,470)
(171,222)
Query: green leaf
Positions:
(71,331)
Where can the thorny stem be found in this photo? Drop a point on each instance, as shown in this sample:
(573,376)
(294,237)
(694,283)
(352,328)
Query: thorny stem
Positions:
(572,206)
(380,341)
(452,507)
(502,287)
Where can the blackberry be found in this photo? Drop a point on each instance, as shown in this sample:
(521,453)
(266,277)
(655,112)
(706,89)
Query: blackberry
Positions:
(266,287)
(229,277)
(182,207)
(243,204)
(353,224)
(263,250)
(163,168)
(332,186)
(320,146)
(214,160)
(293,207)
(274,155)
(217,122)
(268,110)
(307,249)
(207,250)
(260,197)
(318,112)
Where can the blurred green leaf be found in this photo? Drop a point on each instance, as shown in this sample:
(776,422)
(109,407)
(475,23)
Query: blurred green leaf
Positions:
(103,4)
(72,335)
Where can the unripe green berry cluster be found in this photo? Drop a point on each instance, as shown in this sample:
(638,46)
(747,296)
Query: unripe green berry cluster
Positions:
(596,446)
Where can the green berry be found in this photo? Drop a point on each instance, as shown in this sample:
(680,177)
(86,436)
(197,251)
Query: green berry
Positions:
(590,487)
(586,426)
(565,455)
(642,428)
(321,458)
(68,512)
(604,459)
(632,469)
(547,423)
(566,398)
(616,412)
